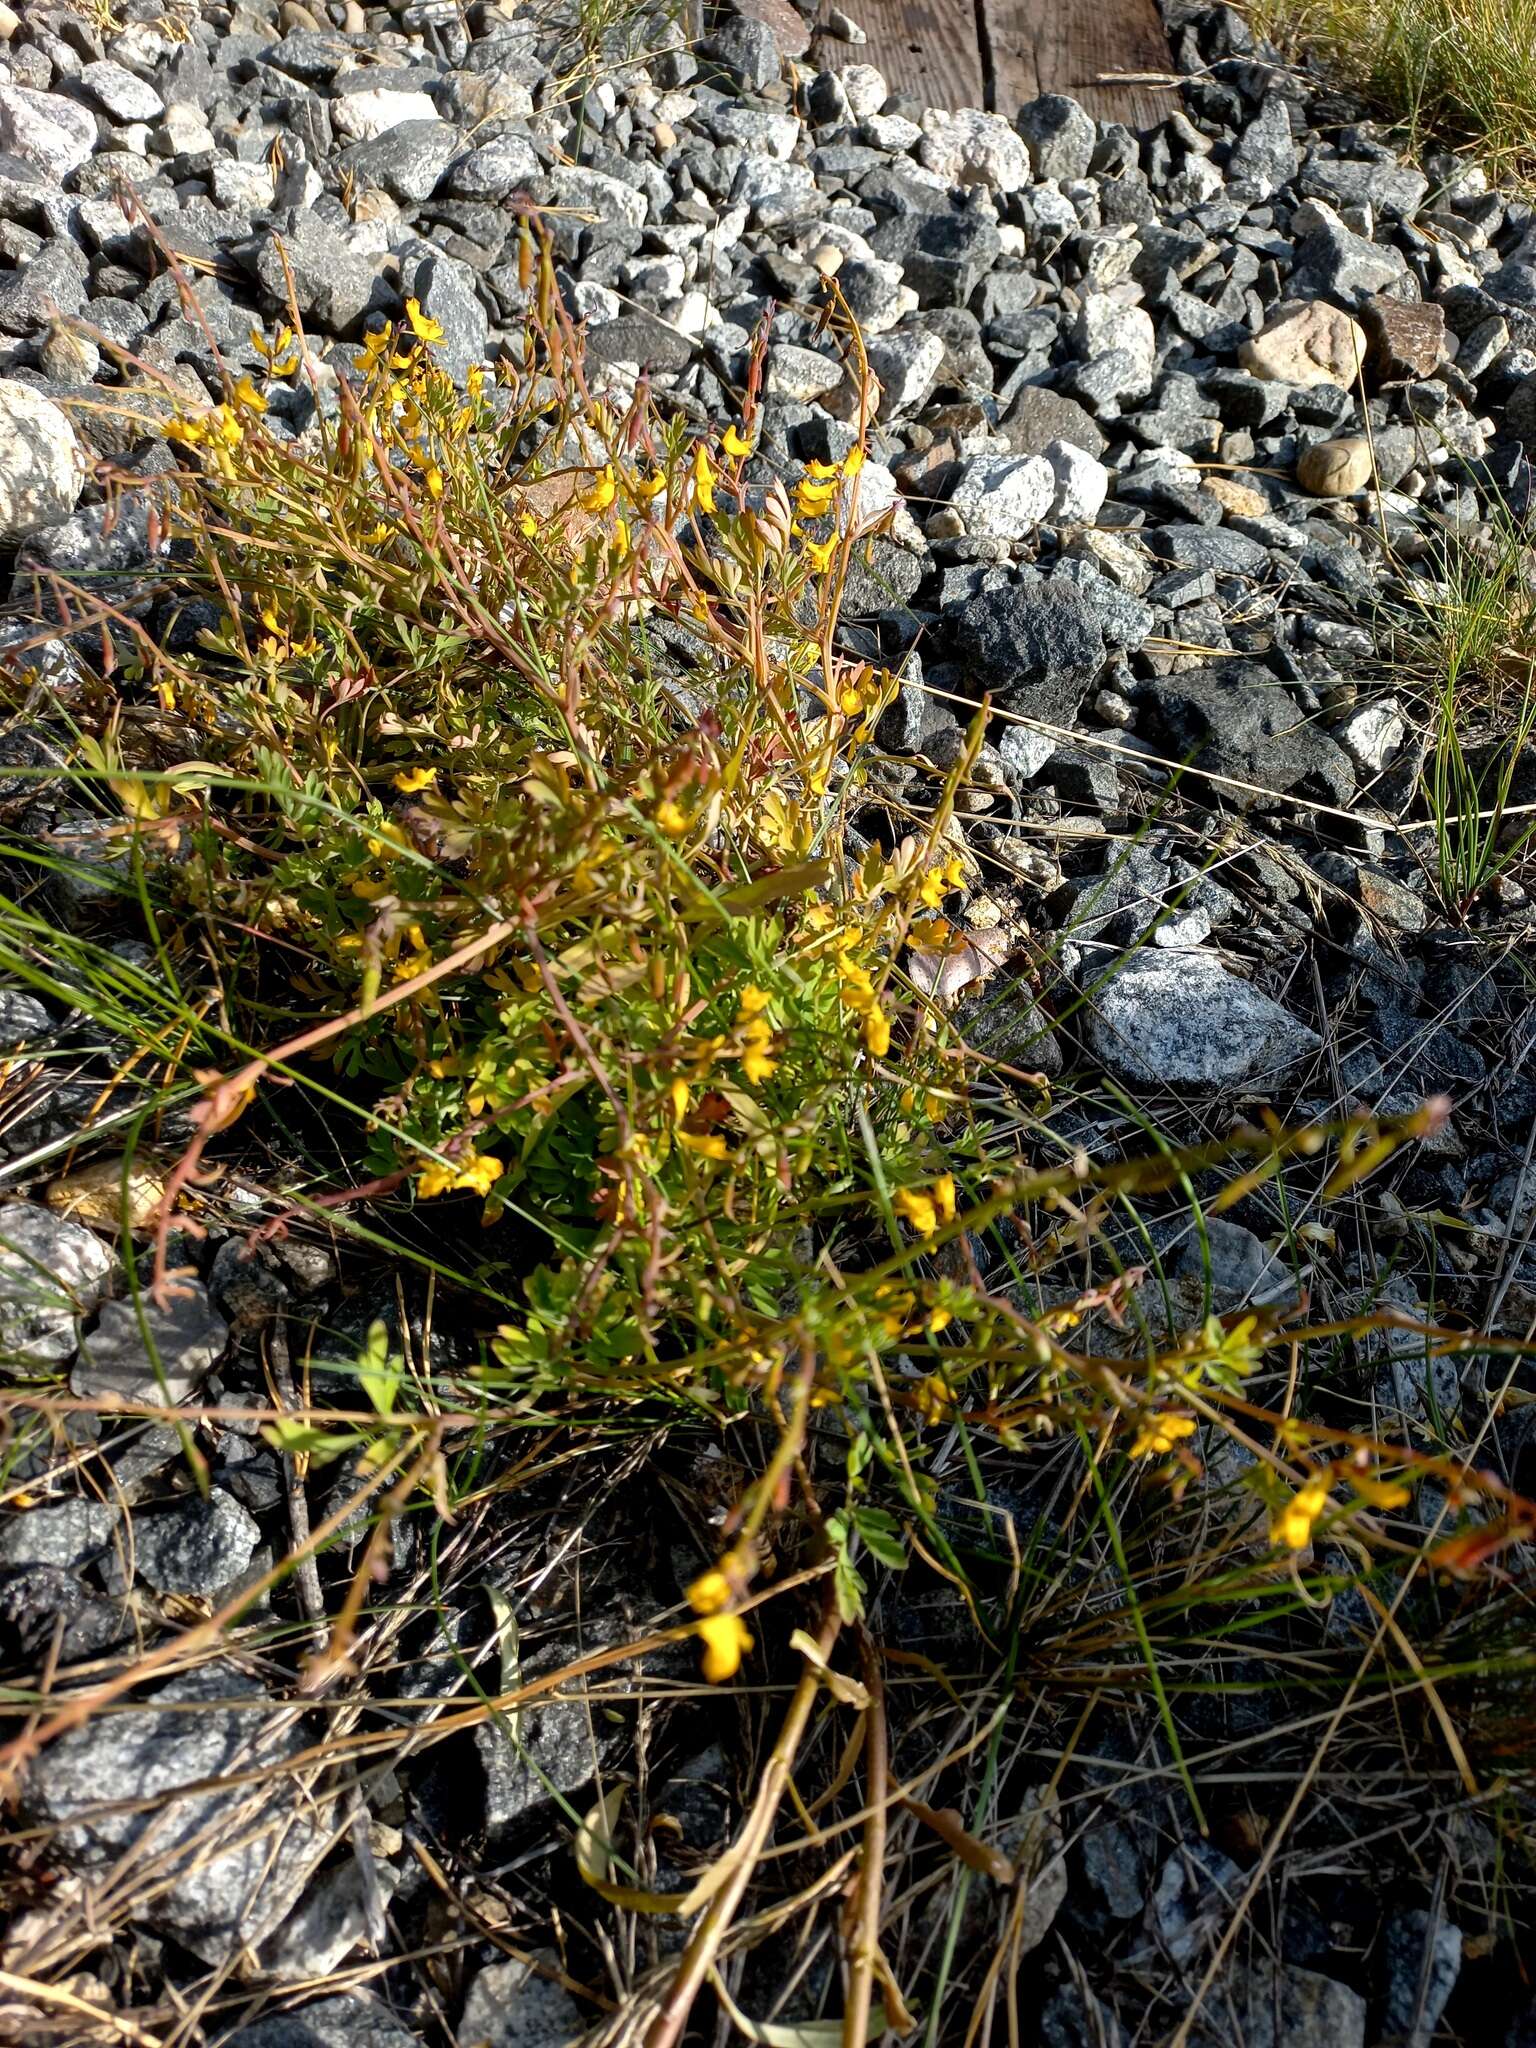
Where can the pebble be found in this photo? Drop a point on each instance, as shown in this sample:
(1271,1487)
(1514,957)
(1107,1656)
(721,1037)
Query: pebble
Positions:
(1335,469)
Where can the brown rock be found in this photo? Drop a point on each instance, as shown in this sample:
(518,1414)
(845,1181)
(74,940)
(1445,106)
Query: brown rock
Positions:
(1335,469)
(786,24)
(1305,345)
(1242,501)
(1405,340)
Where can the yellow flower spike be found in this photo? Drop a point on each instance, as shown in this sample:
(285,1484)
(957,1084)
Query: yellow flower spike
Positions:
(1160,1433)
(422,325)
(703,479)
(1293,1525)
(409,780)
(813,499)
(913,1206)
(726,1638)
(604,490)
(754,1001)
(735,444)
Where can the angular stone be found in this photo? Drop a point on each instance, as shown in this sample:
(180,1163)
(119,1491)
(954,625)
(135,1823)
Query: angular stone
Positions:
(72,1535)
(1307,344)
(1038,417)
(138,1352)
(41,472)
(407,160)
(1406,339)
(906,363)
(54,134)
(1060,135)
(508,2006)
(1003,497)
(1082,484)
(364,116)
(1265,154)
(332,285)
(972,148)
(1269,2006)
(120,1780)
(1035,648)
(1167,1019)
(198,1546)
(52,1272)
(119,94)
(594,191)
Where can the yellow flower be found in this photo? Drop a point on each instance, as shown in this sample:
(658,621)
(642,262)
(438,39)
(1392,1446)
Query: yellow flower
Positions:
(423,326)
(672,818)
(933,1398)
(917,1208)
(819,472)
(703,478)
(1160,1433)
(247,394)
(853,462)
(754,1001)
(943,1192)
(434,481)
(528,526)
(604,490)
(819,553)
(734,443)
(710,1592)
(877,1033)
(679,1094)
(757,1065)
(1293,1525)
(648,487)
(434,1179)
(709,1144)
(813,498)
(480,1171)
(725,1638)
(409,780)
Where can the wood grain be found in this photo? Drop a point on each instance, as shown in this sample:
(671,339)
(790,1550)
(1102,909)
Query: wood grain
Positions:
(928,48)
(942,54)
(1037,46)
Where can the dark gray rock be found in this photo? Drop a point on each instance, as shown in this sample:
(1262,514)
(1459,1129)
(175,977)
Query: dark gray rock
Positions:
(140,1763)
(1038,416)
(1035,647)
(407,162)
(139,1352)
(352,2020)
(1183,1020)
(1059,135)
(333,286)
(1236,720)
(446,291)
(72,1535)
(1421,1958)
(52,285)
(198,1546)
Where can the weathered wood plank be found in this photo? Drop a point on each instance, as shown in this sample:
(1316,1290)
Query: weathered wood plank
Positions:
(1037,46)
(924,47)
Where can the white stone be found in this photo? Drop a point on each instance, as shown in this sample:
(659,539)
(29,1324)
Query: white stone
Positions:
(893,132)
(249,187)
(140,47)
(41,473)
(694,315)
(119,93)
(906,365)
(866,89)
(971,148)
(653,279)
(1184,1020)
(844,27)
(1082,484)
(795,372)
(362,116)
(54,135)
(184,130)
(1107,322)
(1003,497)
(610,199)
(1373,734)
(596,303)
